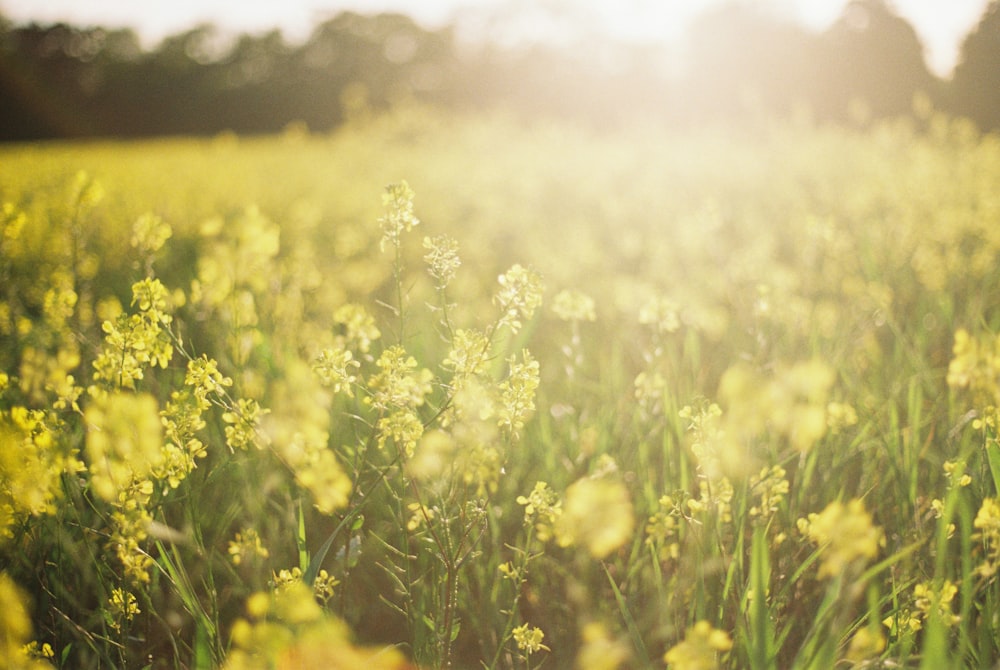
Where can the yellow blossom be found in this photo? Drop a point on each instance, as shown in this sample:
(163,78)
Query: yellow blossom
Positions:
(529,639)
(597,514)
(700,649)
(844,534)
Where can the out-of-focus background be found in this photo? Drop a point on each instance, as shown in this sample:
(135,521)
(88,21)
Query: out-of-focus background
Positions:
(124,69)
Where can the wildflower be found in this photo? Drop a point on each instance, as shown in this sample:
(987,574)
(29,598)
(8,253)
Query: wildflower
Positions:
(12,221)
(520,294)
(317,470)
(542,508)
(85,192)
(442,258)
(599,650)
(399,384)
(771,487)
(124,440)
(419,515)
(903,622)
(15,625)
(661,313)
(149,233)
(715,496)
(597,514)
(122,608)
(707,436)
(845,535)
(130,523)
(988,522)
(517,393)
(398,203)
(662,528)
(359,327)
(39,652)
(204,379)
(935,601)
(700,648)
(468,354)
(247,546)
(529,639)
(508,571)
(573,305)
(954,472)
(324,585)
(334,369)
(403,427)
(243,424)
(865,644)
(975,367)
(840,416)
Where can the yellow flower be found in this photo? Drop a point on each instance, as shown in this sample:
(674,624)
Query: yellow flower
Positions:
(398,203)
(517,393)
(865,644)
(122,608)
(247,546)
(124,440)
(700,648)
(573,305)
(541,508)
(597,514)
(988,522)
(520,294)
(529,640)
(442,258)
(845,535)
(935,601)
(599,650)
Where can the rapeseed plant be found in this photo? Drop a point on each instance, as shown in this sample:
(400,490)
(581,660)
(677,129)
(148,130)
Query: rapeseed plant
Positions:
(294,408)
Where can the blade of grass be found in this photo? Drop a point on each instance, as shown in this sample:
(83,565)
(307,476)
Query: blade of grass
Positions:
(633,629)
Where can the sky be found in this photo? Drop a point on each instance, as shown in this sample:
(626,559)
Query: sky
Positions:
(940,24)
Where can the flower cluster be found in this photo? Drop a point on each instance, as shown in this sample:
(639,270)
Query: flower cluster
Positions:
(597,515)
(399,217)
(662,529)
(32,461)
(442,259)
(520,294)
(517,393)
(134,341)
(288,629)
(844,534)
(700,648)
(529,639)
(542,508)
(247,547)
(987,522)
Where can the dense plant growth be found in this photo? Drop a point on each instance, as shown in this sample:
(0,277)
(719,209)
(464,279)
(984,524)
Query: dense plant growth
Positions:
(547,398)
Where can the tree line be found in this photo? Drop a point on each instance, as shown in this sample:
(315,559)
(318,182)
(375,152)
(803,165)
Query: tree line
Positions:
(59,81)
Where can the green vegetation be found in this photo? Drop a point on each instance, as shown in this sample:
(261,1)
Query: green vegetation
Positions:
(458,392)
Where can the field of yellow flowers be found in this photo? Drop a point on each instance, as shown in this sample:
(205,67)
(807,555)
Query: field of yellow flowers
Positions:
(459,392)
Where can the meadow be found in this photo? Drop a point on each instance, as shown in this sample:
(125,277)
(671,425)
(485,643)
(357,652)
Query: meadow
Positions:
(443,391)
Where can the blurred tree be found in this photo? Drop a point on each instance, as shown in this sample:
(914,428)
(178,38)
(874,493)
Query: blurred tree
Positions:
(745,61)
(975,86)
(873,57)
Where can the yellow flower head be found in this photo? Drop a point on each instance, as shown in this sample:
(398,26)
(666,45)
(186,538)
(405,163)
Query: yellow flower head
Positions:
(597,514)
(845,535)
(700,648)
(124,440)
